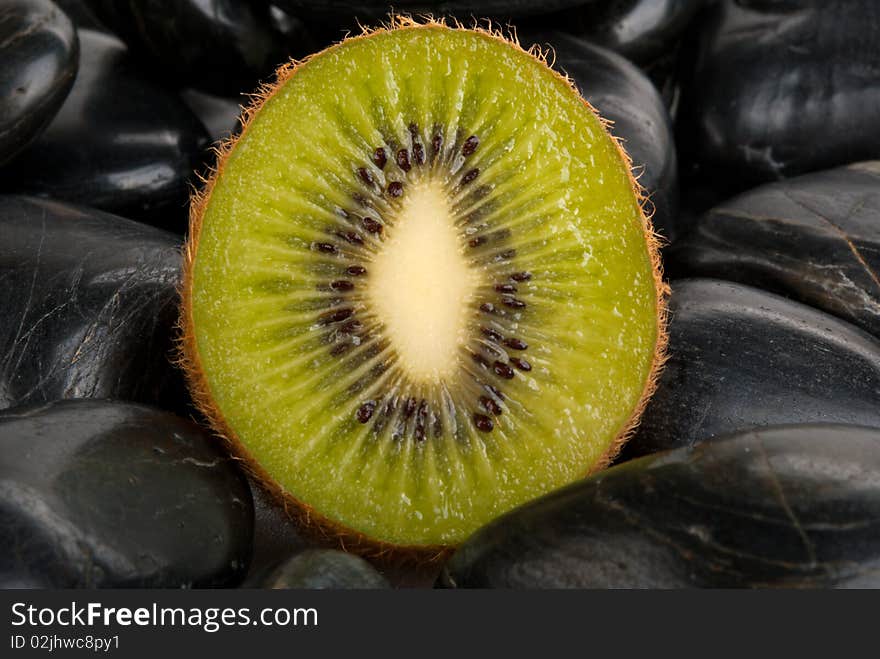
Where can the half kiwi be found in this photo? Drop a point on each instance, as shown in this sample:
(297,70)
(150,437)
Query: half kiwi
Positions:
(420,288)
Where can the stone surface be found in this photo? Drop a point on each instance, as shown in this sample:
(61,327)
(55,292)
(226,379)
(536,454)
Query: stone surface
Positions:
(815,238)
(223,46)
(640,30)
(89,306)
(324,569)
(107,494)
(372,10)
(120,142)
(219,114)
(783,88)
(790,507)
(741,358)
(39,52)
(622,94)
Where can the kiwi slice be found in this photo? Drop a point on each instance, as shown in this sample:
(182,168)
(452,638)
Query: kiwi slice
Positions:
(420,288)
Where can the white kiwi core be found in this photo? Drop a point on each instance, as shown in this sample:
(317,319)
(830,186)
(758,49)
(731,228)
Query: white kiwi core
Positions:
(421,284)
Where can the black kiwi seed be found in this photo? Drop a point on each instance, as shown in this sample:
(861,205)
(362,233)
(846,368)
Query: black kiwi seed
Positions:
(403,160)
(342,285)
(490,405)
(418,153)
(351,236)
(335,316)
(492,334)
(521,364)
(470,145)
(470,176)
(476,242)
(365,411)
(351,327)
(516,344)
(521,276)
(502,370)
(505,288)
(494,391)
(421,420)
(379,158)
(356,270)
(371,225)
(366,176)
(512,302)
(436,143)
(483,423)
(339,349)
(326,248)
(487,307)
(395,188)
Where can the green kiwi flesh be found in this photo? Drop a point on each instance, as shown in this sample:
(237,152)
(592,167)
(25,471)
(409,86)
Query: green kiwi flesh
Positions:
(420,287)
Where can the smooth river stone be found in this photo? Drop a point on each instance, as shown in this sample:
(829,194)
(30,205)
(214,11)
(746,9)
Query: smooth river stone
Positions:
(222,46)
(120,142)
(324,569)
(815,238)
(39,54)
(741,358)
(783,507)
(219,114)
(620,92)
(349,9)
(784,87)
(98,494)
(640,30)
(89,306)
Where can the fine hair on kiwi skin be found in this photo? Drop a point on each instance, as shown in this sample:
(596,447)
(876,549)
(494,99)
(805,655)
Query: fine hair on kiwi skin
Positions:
(321,528)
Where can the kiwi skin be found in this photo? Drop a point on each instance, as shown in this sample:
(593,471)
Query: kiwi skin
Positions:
(319,528)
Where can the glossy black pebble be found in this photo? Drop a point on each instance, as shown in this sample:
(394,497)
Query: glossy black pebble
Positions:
(785,87)
(790,507)
(324,569)
(640,30)
(89,306)
(120,142)
(39,54)
(622,94)
(815,238)
(343,11)
(216,45)
(106,494)
(740,358)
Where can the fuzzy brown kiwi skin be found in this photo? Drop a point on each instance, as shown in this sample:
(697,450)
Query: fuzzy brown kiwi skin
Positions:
(318,527)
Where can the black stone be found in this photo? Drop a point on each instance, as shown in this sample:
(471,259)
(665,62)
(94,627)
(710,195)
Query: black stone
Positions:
(815,238)
(783,507)
(219,114)
(325,569)
(108,494)
(741,358)
(39,53)
(782,88)
(89,306)
(640,30)
(120,142)
(336,11)
(222,46)
(621,92)
(277,535)
(80,12)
